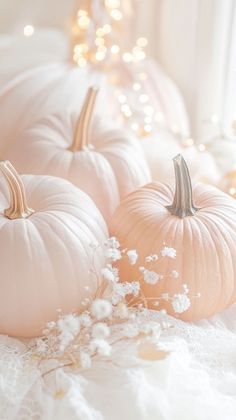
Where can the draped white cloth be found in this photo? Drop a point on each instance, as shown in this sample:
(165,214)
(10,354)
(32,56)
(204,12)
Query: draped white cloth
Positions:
(196,381)
(195,42)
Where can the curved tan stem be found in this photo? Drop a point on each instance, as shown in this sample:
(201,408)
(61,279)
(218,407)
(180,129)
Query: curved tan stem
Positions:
(82,128)
(18,206)
(183,200)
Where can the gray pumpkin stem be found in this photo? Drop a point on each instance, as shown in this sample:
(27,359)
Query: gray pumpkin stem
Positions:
(182,205)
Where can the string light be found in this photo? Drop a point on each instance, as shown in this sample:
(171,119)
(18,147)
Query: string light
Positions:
(175,129)
(87,29)
(115,49)
(122,99)
(188,142)
(202,147)
(101,45)
(28,30)
(232,191)
(143,98)
(214,119)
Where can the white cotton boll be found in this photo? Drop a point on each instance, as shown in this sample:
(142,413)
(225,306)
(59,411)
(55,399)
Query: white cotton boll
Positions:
(100,346)
(101,308)
(100,330)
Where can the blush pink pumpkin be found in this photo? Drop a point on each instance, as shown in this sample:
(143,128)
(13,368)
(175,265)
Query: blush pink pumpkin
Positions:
(199,224)
(103,161)
(45,250)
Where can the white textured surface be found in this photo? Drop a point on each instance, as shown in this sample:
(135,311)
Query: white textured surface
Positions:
(196,381)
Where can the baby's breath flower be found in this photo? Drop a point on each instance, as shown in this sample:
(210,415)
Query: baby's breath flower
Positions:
(41,345)
(151,277)
(121,310)
(100,346)
(85,360)
(110,273)
(112,242)
(168,252)
(132,256)
(113,254)
(65,338)
(151,258)
(101,308)
(85,320)
(127,288)
(100,330)
(180,303)
(69,323)
(174,274)
(185,287)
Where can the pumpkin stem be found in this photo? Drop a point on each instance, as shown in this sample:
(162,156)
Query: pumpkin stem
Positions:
(83,123)
(18,206)
(183,200)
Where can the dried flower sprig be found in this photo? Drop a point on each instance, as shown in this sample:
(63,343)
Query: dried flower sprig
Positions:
(76,339)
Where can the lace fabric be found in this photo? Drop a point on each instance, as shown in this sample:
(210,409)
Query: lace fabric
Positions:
(197,380)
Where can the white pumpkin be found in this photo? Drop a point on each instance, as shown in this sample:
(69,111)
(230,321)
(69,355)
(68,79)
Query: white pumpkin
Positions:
(45,253)
(44,90)
(105,162)
(159,149)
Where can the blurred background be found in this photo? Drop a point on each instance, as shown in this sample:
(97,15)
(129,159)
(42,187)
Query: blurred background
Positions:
(193,40)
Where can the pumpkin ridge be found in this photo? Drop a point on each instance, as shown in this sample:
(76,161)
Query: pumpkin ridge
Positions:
(229,234)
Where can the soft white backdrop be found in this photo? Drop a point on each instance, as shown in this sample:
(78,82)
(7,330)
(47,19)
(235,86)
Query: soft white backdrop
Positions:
(194,40)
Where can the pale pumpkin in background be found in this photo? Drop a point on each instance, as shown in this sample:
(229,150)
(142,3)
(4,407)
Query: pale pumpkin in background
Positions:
(45,250)
(105,162)
(44,90)
(162,94)
(199,225)
(43,83)
(161,146)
